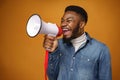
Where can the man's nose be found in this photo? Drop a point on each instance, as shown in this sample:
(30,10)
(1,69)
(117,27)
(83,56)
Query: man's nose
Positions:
(63,24)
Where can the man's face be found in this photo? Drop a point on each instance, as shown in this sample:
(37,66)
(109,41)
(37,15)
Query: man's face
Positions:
(70,23)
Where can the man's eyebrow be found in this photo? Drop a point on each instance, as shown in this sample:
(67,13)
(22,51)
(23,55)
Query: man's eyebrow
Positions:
(66,18)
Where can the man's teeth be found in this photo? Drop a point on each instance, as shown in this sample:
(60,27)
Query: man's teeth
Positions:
(65,29)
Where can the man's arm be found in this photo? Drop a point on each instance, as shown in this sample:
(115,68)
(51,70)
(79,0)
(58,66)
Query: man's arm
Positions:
(105,72)
(53,65)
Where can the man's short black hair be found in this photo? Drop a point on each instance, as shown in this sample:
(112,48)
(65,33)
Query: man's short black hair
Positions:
(78,10)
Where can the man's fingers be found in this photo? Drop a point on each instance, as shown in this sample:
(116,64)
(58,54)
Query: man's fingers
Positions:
(49,42)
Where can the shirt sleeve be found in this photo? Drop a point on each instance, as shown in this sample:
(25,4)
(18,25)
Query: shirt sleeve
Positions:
(105,65)
(53,65)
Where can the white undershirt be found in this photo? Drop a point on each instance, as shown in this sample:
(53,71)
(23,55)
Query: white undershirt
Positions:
(77,42)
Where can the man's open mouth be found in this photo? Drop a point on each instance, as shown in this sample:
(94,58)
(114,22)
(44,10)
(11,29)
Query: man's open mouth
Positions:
(66,31)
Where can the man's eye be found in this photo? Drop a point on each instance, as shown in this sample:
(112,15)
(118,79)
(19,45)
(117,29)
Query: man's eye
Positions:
(69,20)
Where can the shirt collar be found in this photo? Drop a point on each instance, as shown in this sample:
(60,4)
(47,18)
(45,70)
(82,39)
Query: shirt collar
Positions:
(88,37)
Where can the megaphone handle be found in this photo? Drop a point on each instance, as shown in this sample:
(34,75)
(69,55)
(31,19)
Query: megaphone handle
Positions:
(46,64)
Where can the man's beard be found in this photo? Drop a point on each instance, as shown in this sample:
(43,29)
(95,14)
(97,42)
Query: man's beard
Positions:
(73,36)
(67,40)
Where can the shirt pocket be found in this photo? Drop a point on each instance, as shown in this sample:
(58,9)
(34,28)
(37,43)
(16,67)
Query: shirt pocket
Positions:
(85,65)
(85,62)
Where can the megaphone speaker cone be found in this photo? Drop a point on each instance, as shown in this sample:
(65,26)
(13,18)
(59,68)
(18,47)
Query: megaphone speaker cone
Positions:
(34,25)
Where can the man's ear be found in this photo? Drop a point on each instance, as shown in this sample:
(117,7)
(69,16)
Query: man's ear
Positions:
(82,24)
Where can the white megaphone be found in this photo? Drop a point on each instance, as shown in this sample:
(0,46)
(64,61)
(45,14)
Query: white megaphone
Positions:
(36,25)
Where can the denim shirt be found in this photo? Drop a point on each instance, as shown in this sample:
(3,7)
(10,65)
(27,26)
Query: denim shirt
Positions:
(91,62)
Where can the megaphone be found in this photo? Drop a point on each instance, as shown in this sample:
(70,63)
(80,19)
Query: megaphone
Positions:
(36,25)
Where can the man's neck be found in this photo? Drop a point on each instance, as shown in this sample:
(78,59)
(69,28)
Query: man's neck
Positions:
(77,42)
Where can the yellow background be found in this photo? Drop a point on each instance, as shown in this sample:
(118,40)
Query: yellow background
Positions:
(22,57)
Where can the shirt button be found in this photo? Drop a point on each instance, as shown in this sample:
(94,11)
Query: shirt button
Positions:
(71,69)
(73,57)
(60,54)
(88,59)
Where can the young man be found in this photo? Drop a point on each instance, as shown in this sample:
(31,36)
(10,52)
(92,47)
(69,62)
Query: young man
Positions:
(77,56)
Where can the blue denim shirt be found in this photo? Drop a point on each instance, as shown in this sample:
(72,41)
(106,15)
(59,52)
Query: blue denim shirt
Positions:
(90,62)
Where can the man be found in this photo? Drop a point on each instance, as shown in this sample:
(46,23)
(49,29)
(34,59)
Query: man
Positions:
(77,56)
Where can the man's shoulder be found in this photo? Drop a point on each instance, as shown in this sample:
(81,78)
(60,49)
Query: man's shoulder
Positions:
(95,42)
(98,43)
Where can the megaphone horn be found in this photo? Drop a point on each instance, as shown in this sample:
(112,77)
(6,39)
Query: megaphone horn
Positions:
(36,25)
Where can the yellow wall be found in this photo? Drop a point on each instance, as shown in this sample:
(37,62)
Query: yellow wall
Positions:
(22,57)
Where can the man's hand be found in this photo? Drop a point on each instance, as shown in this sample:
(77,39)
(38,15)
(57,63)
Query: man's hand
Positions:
(50,43)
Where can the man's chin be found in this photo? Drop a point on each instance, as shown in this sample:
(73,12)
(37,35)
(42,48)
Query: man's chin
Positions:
(66,40)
